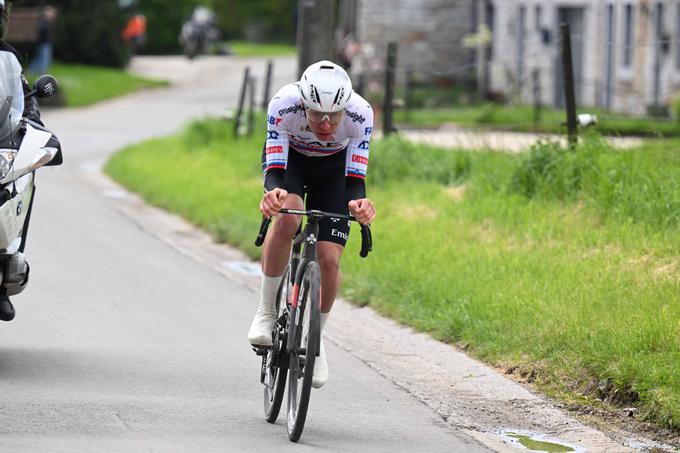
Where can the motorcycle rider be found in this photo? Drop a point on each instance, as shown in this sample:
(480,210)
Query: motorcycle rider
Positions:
(31,111)
(317,143)
(199,31)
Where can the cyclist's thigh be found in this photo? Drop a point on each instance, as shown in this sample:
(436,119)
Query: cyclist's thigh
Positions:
(327,193)
(294,177)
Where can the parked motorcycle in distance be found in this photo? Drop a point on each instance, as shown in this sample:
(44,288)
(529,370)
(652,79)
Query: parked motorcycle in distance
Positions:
(199,32)
(25,146)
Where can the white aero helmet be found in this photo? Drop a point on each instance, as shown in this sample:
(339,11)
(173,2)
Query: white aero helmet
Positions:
(325,87)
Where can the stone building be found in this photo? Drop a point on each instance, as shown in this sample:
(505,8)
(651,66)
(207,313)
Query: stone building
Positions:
(429,34)
(626,53)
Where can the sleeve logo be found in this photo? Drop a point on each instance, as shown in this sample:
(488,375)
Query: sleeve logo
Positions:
(274,149)
(272,135)
(360,159)
(274,121)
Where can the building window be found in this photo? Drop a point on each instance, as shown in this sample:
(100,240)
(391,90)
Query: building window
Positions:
(628,36)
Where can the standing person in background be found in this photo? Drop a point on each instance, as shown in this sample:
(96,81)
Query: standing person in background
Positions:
(135,32)
(43,55)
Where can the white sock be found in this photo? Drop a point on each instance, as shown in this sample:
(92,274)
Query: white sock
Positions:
(323,319)
(270,285)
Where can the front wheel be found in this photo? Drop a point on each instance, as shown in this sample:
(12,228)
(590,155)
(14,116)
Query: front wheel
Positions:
(277,359)
(304,349)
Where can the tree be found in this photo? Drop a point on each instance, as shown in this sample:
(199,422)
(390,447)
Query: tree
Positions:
(88,31)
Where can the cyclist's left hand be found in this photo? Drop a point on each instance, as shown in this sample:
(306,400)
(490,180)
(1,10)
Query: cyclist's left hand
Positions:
(363,209)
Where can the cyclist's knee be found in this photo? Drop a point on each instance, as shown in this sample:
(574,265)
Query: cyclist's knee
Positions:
(329,264)
(285,226)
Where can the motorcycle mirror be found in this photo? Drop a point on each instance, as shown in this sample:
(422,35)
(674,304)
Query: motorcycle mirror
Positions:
(45,86)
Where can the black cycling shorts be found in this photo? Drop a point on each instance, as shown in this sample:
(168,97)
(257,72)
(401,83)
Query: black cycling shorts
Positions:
(323,180)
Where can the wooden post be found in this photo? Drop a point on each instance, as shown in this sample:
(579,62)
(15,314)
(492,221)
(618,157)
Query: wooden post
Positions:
(536,85)
(267,85)
(242,99)
(568,74)
(408,98)
(388,102)
(361,84)
(251,107)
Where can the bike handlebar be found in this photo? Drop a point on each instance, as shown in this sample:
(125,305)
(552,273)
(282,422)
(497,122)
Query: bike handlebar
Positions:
(366,237)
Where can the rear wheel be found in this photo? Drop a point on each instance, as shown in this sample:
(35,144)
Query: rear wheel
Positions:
(304,350)
(277,359)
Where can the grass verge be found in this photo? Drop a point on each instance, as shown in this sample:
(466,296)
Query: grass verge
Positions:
(83,85)
(251,49)
(561,265)
(521,118)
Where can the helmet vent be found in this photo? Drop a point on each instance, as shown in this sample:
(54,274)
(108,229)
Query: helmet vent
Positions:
(316,95)
(326,67)
(337,96)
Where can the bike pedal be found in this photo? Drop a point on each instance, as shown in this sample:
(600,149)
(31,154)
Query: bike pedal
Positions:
(261,350)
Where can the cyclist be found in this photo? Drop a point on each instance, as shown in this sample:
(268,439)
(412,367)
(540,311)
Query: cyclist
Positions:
(317,143)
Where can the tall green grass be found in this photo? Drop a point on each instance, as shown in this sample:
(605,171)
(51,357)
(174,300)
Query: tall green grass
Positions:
(561,263)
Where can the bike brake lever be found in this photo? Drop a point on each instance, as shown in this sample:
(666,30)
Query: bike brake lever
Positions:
(366,241)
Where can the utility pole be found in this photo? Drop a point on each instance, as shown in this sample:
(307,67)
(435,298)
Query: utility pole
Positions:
(315,32)
(388,102)
(481,58)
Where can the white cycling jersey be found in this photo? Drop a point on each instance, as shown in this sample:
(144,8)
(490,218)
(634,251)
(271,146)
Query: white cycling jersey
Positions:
(287,128)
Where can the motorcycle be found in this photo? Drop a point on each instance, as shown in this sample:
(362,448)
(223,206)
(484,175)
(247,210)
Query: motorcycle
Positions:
(25,146)
(198,33)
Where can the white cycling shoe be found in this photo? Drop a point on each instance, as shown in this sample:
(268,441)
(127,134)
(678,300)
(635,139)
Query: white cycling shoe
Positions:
(320,375)
(260,333)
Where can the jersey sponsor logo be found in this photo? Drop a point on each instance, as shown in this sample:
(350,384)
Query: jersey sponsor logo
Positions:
(274,149)
(292,109)
(358,159)
(272,135)
(355,117)
(274,121)
(363,145)
(368,131)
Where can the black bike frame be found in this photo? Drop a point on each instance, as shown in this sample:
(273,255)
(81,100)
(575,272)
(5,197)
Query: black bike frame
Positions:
(299,259)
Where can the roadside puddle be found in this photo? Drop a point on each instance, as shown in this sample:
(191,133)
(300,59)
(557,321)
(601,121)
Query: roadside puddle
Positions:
(536,442)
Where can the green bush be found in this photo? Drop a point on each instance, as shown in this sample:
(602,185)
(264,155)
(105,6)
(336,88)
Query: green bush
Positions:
(549,170)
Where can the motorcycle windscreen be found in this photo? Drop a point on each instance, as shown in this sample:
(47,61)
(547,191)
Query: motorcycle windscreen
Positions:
(11,93)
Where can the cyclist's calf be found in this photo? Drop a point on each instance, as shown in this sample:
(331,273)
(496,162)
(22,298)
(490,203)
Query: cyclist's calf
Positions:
(329,264)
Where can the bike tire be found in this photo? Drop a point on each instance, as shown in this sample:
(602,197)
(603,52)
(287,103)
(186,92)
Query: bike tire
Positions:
(300,377)
(277,372)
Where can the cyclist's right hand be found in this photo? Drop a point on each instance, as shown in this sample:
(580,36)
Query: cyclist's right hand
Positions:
(272,202)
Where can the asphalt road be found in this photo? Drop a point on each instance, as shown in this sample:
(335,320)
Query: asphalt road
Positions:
(121,343)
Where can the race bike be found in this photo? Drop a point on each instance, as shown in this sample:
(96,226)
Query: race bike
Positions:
(25,146)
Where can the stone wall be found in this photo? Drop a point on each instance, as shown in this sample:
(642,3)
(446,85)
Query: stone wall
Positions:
(429,34)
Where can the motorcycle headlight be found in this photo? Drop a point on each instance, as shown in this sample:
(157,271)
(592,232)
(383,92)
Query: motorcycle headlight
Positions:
(6,161)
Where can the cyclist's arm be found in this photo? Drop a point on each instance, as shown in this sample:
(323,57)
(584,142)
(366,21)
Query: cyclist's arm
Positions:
(356,164)
(275,153)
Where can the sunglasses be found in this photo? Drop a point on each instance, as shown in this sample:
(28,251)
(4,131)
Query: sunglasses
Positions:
(318,117)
